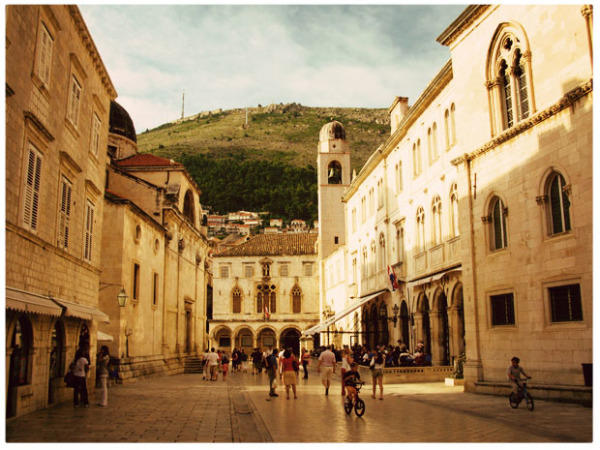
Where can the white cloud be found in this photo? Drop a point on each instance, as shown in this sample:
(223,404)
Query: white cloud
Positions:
(242,55)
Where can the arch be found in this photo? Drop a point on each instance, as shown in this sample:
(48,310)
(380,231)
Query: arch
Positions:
(266,337)
(454,211)
(290,337)
(384,333)
(334,173)
(558,204)
(373,332)
(20,349)
(441,340)
(188,206)
(497,213)
(56,360)
(243,338)
(424,310)
(221,337)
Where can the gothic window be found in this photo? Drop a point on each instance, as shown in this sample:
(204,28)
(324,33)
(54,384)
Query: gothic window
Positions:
(432,143)
(380,194)
(373,258)
(417,158)
(236,297)
(363,209)
(420,229)
(509,75)
(447,128)
(334,173)
(296,300)
(498,213)
(399,177)
(452,124)
(454,210)
(364,266)
(354,220)
(558,204)
(400,244)
(436,210)
(266,299)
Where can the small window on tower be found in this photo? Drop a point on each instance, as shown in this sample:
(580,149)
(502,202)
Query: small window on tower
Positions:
(337,240)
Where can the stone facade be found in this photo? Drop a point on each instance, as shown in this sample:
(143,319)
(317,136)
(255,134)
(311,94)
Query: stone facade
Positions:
(265,291)
(480,202)
(58,97)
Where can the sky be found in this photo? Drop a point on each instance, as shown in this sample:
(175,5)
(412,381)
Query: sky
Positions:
(237,56)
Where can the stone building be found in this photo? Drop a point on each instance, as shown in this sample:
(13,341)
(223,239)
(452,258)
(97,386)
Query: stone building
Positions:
(265,291)
(156,250)
(479,206)
(58,97)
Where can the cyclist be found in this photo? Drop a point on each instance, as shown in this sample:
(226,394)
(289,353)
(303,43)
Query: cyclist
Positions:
(350,379)
(514,372)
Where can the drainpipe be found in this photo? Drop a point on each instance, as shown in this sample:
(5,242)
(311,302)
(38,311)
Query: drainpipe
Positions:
(476,362)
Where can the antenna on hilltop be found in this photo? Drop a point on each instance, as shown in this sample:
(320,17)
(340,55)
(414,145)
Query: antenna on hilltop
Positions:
(182,103)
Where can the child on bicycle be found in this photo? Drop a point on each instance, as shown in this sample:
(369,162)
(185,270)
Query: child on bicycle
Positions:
(514,372)
(350,379)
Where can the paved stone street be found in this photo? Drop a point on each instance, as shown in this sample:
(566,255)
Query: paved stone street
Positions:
(184,408)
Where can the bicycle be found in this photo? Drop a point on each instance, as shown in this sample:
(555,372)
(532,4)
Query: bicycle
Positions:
(358,404)
(522,393)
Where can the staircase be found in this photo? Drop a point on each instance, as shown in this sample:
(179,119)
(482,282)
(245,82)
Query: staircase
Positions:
(193,364)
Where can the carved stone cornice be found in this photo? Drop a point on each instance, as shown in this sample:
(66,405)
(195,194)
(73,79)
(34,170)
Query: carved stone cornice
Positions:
(464,21)
(569,99)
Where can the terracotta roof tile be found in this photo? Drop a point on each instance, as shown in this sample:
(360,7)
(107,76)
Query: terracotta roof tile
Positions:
(275,245)
(140,160)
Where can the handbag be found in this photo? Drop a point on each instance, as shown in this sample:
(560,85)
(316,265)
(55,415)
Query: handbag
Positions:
(295,365)
(69,379)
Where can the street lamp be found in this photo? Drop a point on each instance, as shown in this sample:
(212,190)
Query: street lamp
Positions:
(394,319)
(122,298)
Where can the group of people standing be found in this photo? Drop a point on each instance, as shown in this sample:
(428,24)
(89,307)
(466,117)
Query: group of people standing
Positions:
(215,362)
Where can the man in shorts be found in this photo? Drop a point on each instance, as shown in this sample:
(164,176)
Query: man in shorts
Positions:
(326,367)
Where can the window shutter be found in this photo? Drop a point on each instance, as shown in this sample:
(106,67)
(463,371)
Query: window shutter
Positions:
(32,188)
(65,214)
(89,232)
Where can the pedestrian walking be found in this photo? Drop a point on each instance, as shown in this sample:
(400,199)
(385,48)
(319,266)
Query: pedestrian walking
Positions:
(288,368)
(213,364)
(377,364)
(244,357)
(256,361)
(205,366)
(103,361)
(326,367)
(80,370)
(224,365)
(305,360)
(271,364)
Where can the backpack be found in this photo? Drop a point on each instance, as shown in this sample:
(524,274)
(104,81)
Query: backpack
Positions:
(224,360)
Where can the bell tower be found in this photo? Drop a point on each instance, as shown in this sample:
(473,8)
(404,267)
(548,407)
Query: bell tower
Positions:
(333,168)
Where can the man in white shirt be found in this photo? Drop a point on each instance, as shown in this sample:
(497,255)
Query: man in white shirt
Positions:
(326,367)
(213,364)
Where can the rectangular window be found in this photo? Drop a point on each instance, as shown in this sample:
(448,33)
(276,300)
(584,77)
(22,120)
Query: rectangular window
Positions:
(136,281)
(31,195)
(224,271)
(74,100)
(44,55)
(565,303)
(155,289)
(503,309)
(89,231)
(64,213)
(248,271)
(284,270)
(307,269)
(95,139)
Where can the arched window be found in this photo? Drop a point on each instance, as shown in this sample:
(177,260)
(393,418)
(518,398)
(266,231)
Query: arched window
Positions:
(509,74)
(498,213)
(334,173)
(558,204)
(430,145)
(454,210)
(417,158)
(236,297)
(296,300)
(434,141)
(447,128)
(420,229)
(452,124)
(400,244)
(436,210)
(188,206)
(373,258)
(365,263)
(382,264)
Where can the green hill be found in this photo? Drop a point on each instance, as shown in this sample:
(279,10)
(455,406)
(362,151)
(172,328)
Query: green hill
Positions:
(268,164)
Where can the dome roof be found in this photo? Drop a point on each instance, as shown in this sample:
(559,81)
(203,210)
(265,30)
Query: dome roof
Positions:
(120,122)
(333,130)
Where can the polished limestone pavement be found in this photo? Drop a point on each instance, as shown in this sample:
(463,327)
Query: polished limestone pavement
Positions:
(185,408)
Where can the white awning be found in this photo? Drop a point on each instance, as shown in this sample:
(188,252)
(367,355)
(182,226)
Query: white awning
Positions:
(104,337)
(31,303)
(82,312)
(431,279)
(350,308)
